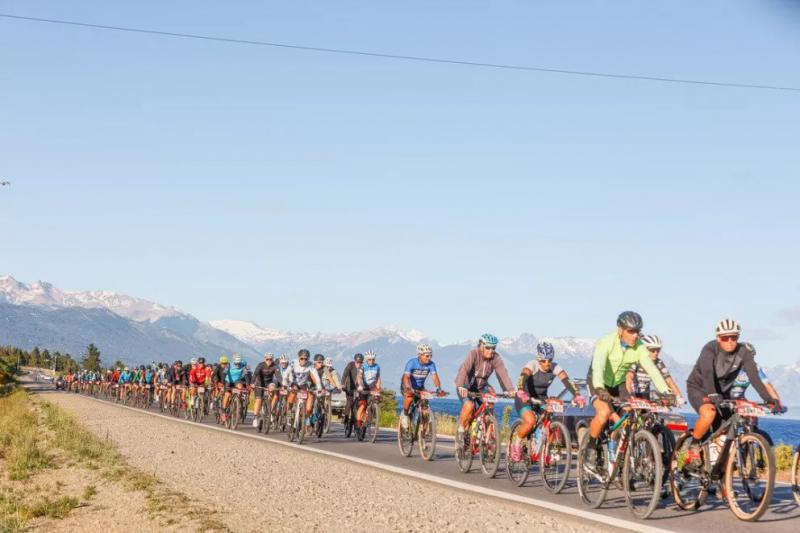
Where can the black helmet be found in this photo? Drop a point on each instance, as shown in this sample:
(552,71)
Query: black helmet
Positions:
(141,367)
(303,353)
(359,357)
(319,358)
(630,320)
(201,360)
(178,362)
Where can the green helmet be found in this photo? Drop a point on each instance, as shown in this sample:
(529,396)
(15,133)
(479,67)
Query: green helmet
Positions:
(488,339)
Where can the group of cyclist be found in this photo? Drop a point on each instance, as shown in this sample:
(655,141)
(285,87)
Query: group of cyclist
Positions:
(624,363)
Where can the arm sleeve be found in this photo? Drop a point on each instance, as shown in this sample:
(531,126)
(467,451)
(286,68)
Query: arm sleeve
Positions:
(566,381)
(346,376)
(502,374)
(463,371)
(749,365)
(653,372)
(599,360)
(258,379)
(706,364)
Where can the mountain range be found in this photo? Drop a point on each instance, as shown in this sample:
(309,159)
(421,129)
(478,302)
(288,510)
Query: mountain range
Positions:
(138,331)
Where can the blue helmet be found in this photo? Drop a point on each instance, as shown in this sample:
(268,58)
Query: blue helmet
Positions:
(488,339)
(545,351)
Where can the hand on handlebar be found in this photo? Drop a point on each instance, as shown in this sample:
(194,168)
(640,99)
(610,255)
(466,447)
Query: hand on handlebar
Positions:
(580,401)
(462,392)
(603,395)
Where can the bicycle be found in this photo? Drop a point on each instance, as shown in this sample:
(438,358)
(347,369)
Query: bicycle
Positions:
(369,426)
(297,424)
(197,403)
(320,411)
(549,444)
(350,414)
(237,406)
(264,414)
(483,437)
(421,427)
(632,461)
(744,466)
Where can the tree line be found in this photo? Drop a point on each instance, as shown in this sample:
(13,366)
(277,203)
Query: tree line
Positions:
(60,362)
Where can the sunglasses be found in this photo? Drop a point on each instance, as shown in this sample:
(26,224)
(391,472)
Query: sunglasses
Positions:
(303,358)
(655,350)
(426,355)
(633,331)
(487,347)
(728,338)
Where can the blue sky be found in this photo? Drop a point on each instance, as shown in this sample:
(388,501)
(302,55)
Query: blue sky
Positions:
(311,191)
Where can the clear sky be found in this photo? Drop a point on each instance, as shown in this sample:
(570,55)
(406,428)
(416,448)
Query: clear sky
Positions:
(311,191)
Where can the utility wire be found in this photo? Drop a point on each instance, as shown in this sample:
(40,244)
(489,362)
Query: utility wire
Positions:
(406,57)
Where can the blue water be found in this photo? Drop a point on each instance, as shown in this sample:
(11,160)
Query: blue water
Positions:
(781,430)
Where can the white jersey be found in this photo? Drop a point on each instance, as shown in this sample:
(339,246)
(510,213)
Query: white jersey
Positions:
(301,375)
(286,375)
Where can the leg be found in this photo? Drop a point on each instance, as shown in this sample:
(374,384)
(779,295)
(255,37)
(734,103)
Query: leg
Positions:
(602,412)
(467,408)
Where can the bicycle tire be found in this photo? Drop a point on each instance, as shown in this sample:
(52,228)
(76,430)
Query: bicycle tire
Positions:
(290,426)
(489,448)
(644,452)
(763,500)
(372,429)
(462,453)
(558,434)
(405,439)
(265,422)
(328,415)
(592,498)
(235,412)
(518,471)
(301,424)
(689,489)
(427,429)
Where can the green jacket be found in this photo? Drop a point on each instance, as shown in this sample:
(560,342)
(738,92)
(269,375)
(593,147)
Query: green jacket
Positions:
(610,363)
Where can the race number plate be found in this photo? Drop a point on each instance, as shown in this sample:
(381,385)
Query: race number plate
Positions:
(426,395)
(555,406)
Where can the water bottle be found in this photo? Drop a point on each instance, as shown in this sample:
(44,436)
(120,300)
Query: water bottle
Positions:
(537,439)
(612,449)
(474,428)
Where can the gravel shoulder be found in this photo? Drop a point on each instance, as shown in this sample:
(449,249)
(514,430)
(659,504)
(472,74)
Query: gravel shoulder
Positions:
(258,485)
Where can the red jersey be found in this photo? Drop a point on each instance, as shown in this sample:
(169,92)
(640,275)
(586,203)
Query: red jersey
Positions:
(198,375)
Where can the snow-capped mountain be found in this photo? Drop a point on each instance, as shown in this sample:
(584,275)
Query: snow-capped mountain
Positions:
(43,294)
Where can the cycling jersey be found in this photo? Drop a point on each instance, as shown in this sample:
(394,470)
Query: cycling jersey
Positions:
(641,379)
(125,377)
(149,376)
(301,375)
(538,382)
(266,374)
(236,375)
(476,370)
(198,375)
(417,372)
(286,375)
(716,370)
(175,376)
(742,382)
(370,375)
(329,378)
(611,361)
(350,377)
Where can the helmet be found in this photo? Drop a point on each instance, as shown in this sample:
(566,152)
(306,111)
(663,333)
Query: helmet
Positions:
(319,358)
(370,355)
(630,320)
(545,351)
(269,355)
(328,362)
(201,360)
(194,360)
(303,353)
(237,359)
(487,339)
(359,357)
(424,349)
(282,359)
(141,367)
(126,369)
(178,362)
(223,359)
(651,341)
(149,367)
(728,326)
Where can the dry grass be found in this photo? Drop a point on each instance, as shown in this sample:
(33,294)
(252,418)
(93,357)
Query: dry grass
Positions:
(20,440)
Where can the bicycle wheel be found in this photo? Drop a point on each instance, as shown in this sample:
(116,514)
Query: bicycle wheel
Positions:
(201,408)
(666,443)
(555,458)
(301,424)
(405,439)
(796,475)
(463,454)
(328,415)
(319,425)
(642,474)
(518,470)
(490,447)
(750,476)
(372,428)
(427,436)
(236,412)
(291,423)
(592,485)
(265,416)
(689,487)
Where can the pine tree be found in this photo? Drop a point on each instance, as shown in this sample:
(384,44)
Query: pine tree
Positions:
(91,361)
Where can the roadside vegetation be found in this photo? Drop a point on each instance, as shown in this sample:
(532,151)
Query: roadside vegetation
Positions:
(51,465)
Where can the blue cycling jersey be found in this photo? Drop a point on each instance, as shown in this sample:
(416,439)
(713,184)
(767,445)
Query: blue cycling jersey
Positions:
(124,377)
(148,377)
(418,372)
(235,375)
(370,374)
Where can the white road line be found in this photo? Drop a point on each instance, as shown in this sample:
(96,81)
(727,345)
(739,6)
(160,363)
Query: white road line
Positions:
(564,509)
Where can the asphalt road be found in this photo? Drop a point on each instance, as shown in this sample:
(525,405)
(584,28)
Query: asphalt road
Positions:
(783,515)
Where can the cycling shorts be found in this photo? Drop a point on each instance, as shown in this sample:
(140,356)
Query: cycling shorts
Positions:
(262,391)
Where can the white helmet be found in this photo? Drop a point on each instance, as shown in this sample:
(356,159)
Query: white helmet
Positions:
(423,349)
(728,326)
(194,360)
(651,341)
(237,359)
(282,359)
(329,362)
(370,355)
(269,355)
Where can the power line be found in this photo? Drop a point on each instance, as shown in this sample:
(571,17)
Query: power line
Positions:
(425,59)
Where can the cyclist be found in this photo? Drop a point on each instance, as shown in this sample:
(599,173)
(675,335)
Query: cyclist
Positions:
(473,376)
(533,382)
(369,379)
(149,379)
(330,379)
(350,385)
(613,355)
(124,381)
(234,376)
(218,377)
(637,382)
(414,376)
(267,375)
(198,376)
(299,376)
(714,375)
(176,376)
